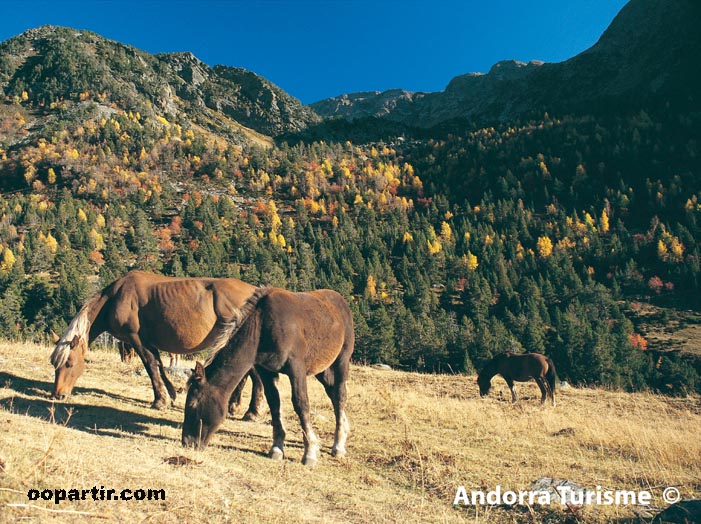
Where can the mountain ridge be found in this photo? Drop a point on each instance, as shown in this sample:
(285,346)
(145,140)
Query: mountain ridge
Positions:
(645,56)
(51,63)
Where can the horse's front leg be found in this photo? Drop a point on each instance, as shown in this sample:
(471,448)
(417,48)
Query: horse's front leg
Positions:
(300,401)
(512,388)
(272,395)
(235,400)
(154,369)
(256,396)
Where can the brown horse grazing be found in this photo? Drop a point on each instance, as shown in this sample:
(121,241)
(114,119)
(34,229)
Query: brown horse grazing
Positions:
(298,334)
(520,368)
(154,313)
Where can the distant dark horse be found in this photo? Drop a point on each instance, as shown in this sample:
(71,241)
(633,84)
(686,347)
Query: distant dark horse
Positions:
(153,313)
(520,368)
(298,334)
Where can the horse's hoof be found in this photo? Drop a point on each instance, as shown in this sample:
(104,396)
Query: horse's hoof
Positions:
(276,453)
(338,452)
(250,416)
(309,462)
(159,404)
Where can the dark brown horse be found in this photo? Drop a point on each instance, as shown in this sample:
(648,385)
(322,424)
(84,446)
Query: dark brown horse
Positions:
(520,368)
(298,334)
(126,353)
(154,313)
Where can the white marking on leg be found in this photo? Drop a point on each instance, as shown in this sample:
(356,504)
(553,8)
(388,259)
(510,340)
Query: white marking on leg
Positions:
(276,453)
(342,430)
(311,448)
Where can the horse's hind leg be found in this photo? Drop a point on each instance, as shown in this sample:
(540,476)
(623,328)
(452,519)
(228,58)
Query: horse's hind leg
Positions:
(166,381)
(334,381)
(300,401)
(551,393)
(542,384)
(272,395)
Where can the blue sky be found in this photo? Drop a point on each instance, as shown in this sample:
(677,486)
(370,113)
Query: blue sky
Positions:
(316,49)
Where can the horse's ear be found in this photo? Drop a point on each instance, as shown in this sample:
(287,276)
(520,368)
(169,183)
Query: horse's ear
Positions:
(75,341)
(55,337)
(198,373)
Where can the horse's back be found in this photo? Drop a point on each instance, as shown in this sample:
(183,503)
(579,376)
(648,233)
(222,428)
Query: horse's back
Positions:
(308,303)
(522,367)
(178,315)
(317,323)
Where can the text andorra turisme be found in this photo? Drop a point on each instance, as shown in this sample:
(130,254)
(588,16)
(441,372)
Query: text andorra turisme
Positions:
(565,495)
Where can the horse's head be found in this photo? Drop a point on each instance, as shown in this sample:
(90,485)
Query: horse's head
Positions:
(204,410)
(68,359)
(484,384)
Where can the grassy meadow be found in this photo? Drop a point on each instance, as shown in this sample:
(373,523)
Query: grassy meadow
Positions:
(414,440)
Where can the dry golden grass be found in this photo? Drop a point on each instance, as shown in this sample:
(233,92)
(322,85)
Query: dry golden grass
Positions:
(667,328)
(415,439)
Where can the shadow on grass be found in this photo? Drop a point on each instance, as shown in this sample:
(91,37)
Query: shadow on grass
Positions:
(98,420)
(40,388)
(105,420)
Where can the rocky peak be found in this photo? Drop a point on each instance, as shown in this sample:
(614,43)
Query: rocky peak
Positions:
(188,67)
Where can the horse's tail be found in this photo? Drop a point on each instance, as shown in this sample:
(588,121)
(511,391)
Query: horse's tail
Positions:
(236,327)
(551,375)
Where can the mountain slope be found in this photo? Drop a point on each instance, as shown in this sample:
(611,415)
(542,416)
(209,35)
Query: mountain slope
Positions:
(647,57)
(49,63)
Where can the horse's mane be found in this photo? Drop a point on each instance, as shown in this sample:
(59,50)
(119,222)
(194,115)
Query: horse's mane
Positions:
(80,326)
(232,327)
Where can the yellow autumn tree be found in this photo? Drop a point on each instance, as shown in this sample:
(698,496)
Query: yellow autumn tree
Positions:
(51,243)
(446,232)
(604,222)
(677,249)
(8,260)
(371,287)
(434,247)
(662,252)
(97,240)
(545,246)
(471,261)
